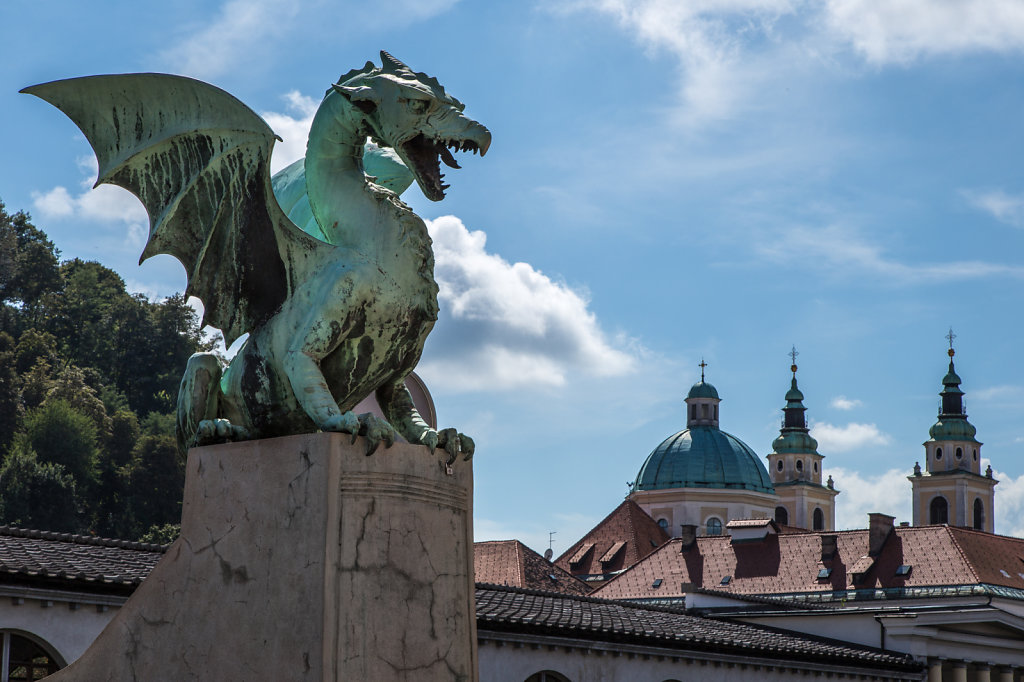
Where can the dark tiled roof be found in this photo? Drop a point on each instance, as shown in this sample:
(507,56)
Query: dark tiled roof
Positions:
(527,611)
(510,562)
(76,561)
(790,563)
(628,524)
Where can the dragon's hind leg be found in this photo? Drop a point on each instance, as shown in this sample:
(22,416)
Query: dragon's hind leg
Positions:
(199,397)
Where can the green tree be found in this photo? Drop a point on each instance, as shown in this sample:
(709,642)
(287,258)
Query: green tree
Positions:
(60,434)
(29,274)
(36,494)
(157,482)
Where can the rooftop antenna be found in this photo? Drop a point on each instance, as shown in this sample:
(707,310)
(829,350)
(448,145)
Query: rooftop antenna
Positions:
(548,553)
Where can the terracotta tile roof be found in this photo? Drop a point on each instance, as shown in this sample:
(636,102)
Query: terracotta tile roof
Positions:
(510,562)
(527,611)
(79,562)
(790,563)
(629,525)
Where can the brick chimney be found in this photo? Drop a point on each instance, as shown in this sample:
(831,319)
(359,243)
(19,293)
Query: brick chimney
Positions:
(879,527)
(829,546)
(688,536)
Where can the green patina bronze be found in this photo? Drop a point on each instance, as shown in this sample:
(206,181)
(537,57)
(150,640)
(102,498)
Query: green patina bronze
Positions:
(337,307)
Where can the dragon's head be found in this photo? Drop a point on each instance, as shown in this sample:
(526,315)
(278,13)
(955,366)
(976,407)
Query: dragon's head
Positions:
(411,113)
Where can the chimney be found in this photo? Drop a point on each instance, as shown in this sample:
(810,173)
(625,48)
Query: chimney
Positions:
(688,535)
(829,546)
(879,527)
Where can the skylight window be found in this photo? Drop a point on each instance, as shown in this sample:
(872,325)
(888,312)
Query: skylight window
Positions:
(656,584)
(1005,574)
(726,579)
(824,573)
(553,577)
(904,570)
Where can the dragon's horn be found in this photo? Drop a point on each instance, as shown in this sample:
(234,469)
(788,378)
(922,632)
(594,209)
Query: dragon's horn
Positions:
(392,64)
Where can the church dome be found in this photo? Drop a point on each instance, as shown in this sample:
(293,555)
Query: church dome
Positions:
(702,389)
(703,457)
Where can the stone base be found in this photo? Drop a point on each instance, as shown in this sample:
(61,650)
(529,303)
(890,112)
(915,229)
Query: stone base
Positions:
(302,559)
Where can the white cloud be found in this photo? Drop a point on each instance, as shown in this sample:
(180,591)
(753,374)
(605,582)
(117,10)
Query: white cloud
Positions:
(903,30)
(728,50)
(841,402)
(1006,208)
(243,30)
(838,250)
(507,325)
(106,203)
(292,129)
(860,494)
(1009,519)
(848,437)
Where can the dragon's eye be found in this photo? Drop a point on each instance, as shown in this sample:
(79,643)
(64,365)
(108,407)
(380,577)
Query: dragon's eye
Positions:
(418,106)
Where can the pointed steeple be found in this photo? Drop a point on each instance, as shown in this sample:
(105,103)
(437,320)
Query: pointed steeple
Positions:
(952,421)
(795,437)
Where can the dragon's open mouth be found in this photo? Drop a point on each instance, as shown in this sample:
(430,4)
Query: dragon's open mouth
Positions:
(424,157)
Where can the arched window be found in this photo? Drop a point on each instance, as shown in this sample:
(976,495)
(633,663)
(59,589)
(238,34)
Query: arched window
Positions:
(799,465)
(693,411)
(938,453)
(547,676)
(714,526)
(779,465)
(25,659)
(782,516)
(959,453)
(975,454)
(663,523)
(819,519)
(815,467)
(979,514)
(938,510)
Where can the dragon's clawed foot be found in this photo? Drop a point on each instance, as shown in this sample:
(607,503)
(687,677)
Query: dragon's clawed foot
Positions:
(210,431)
(370,426)
(451,441)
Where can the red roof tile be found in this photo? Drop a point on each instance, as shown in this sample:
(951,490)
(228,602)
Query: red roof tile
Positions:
(628,526)
(510,562)
(790,563)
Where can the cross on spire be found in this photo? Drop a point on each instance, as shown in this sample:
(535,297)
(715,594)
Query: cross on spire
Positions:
(702,365)
(792,354)
(949,337)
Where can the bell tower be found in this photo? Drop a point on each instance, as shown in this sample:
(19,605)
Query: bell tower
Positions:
(953,489)
(795,467)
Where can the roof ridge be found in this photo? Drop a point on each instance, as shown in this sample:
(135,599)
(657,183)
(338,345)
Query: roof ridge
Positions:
(520,561)
(16,532)
(963,554)
(566,554)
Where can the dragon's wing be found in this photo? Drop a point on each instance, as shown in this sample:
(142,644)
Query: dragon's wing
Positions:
(199,161)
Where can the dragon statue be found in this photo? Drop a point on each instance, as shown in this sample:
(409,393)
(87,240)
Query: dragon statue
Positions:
(338,299)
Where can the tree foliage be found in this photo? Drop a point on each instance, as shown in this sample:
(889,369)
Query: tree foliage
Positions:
(89,376)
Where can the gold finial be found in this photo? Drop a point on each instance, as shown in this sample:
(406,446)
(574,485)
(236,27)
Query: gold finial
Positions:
(702,365)
(950,336)
(792,354)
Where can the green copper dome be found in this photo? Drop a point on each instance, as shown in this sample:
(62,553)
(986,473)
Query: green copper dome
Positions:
(703,457)
(702,389)
(955,428)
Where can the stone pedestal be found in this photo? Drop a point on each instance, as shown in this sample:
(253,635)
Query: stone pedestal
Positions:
(302,559)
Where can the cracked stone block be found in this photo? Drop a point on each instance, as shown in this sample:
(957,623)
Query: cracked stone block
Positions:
(302,559)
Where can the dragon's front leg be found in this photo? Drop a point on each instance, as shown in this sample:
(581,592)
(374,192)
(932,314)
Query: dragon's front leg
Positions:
(398,407)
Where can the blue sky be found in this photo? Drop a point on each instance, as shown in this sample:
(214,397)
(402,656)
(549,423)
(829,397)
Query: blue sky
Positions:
(668,181)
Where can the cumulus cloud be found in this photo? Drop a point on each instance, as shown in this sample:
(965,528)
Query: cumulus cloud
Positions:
(1006,208)
(727,50)
(861,494)
(848,437)
(841,402)
(508,325)
(840,251)
(904,30)
(106,203)
(292,128)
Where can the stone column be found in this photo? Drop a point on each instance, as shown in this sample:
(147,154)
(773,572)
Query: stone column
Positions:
(982,672)
(959,671)
(300,558)
(1004,674)
(934,670)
